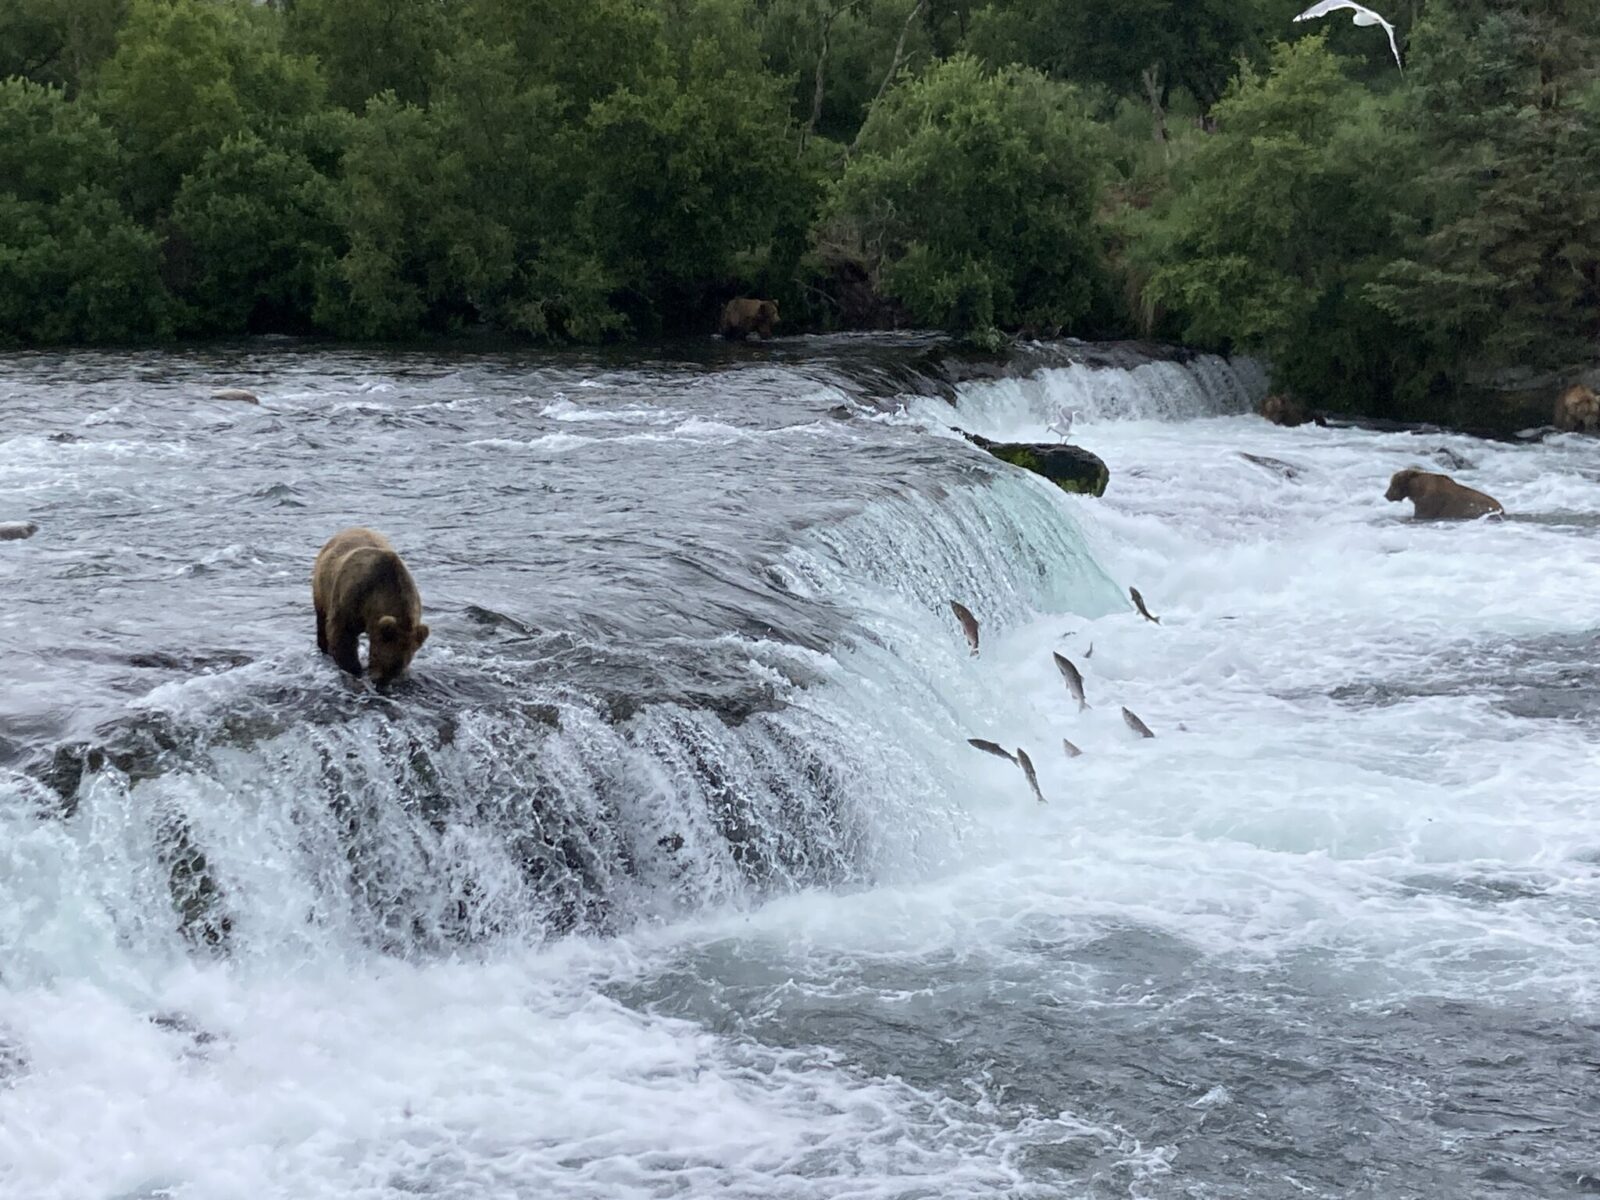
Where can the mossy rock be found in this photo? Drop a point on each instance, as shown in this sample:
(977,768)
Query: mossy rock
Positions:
(1070,468)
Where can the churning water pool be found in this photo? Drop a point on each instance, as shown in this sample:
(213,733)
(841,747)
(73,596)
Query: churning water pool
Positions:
(669,872)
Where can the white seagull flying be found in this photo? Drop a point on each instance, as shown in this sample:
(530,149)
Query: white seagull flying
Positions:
(1363,16)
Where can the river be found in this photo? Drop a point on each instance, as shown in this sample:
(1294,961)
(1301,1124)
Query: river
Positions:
(669,872)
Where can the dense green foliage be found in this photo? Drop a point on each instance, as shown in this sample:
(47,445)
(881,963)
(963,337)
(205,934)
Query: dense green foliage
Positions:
(973,196)
(584,169)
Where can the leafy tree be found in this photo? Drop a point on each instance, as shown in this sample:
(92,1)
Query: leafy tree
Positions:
(57,41)
(73,266)
(1128,47)
(368,47)
(456,214)
(838,52)
(189,74)
(684,176)
(1507,272)
(254,229)
(1279,222)
(584,49)
(973,194)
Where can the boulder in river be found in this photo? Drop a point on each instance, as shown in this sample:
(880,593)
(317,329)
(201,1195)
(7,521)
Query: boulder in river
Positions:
(16,531)
(1070,468)
(237,394)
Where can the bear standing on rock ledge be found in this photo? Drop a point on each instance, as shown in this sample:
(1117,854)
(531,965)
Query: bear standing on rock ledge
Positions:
(360,585)
(744,316)
(1440,498)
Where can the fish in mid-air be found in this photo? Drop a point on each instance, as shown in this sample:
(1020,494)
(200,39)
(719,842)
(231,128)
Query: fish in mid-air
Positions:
(1138,602)
(969,623)
(1138,726)
(991,748)
(1073,678)
(1026,764)
(1072,751)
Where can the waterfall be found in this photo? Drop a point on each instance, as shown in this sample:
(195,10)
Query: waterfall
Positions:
(266,812)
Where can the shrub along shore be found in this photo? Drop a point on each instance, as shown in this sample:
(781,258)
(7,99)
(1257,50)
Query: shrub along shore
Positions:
(1201,171)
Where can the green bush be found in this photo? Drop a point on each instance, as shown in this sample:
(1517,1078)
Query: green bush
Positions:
(973,194)
(74,266)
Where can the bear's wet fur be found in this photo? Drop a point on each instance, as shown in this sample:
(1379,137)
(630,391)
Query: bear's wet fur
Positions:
(1282,409)
(1577,410)
(360,585)
(1440,498)
(744,316)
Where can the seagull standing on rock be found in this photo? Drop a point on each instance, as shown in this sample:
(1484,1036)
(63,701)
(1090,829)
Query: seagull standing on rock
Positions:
(1363,16)
(1062,425)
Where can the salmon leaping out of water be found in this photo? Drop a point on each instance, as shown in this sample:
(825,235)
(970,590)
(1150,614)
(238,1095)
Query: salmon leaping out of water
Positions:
(1073,678)
(1072,751)
(969,623)
(1138,602)
(1026,764)
(1133,722)
(1089,653)
(991,748)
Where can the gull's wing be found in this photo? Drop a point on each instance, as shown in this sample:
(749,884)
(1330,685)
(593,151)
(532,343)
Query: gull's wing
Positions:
(1324,7)
(1389,29)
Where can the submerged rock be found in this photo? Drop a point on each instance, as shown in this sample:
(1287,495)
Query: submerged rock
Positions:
(1070,468)
(1276,465)
(13,1059)
(238,395)
(1448,458)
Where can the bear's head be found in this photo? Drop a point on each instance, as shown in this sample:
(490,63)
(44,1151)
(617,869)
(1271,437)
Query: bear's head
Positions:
(1400,485)
(390,647)
(767,316)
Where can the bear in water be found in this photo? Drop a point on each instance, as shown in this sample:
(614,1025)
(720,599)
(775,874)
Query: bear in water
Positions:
(360,585)
(1577,410)
(1440,498)
(743,316)
(1283,409)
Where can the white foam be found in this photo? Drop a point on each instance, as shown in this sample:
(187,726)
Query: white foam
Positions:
(462,1080)
(1333,773)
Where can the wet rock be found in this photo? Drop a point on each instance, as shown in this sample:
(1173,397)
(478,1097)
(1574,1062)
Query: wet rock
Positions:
(1276,465)
(196,896)
(16,531)
(13,1059)
(237,395)
(1449,459)
(1070,468)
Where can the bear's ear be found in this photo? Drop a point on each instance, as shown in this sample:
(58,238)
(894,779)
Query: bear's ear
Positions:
(388,629)
(419,636)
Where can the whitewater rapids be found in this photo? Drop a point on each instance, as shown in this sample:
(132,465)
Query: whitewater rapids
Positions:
(672,873)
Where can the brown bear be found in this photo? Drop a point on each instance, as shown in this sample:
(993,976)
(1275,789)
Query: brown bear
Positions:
(1438,497)
(1578,410)
(1283,409)
(360,585)
(743,316)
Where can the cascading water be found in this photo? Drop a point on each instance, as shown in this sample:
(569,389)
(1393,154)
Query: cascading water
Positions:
(670,870)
